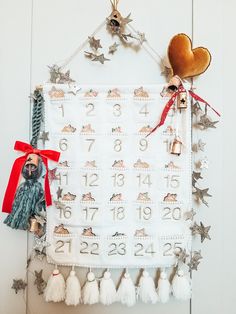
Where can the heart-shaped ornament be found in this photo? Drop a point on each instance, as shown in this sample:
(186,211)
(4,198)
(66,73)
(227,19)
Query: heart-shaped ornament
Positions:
(186,61)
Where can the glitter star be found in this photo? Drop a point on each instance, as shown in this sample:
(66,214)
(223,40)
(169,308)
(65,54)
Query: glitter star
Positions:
(196,108)
(196,176)
(44,137)
(40,244)
(52,175)
(141,37)
(204,163)
(100,58)
(201,230)
(190,215)
(39,255)
(198,146)
(200,194)
(193,265)
(94,43)
(18,284)
(59,193)
(206,123)
(127,19)
(41,220)
(182,256)
(59,205)
(39,281)
(113,48)
(73,89)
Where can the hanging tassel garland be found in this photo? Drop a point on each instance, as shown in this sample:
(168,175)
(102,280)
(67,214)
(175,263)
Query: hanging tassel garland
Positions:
(107,289)
(55,290)
(90,292)
(181,286)
(73,289)
(147,290)
(126,292)
(163,288)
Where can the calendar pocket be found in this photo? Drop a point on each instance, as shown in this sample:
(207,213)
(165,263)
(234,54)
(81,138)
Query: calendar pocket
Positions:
(146,111)
(170,245)
(145,214)
(62,249)
(89,109)
(62,112)
(116,214)
(171,212)
(90,214)
(66,145)
(65,213)
(117,110)
(116,250)
(145,249)
(89,250)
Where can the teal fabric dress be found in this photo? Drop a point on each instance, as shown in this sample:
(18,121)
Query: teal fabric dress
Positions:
(29,201)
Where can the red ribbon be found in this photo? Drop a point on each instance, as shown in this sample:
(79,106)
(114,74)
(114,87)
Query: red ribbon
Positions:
(172,101)
(16,173)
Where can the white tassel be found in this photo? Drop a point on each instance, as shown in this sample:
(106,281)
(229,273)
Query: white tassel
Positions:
(55,290)
(181,286)
(90,290)
(107,289)
(126,292)
(163,288)
(147,290)
(73,289)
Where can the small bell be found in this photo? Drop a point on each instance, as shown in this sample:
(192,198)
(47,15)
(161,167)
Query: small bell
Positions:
(182,100)
(34,225)
(176,146)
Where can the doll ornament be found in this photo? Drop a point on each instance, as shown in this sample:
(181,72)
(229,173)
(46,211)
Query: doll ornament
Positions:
(29,199)
(26,201)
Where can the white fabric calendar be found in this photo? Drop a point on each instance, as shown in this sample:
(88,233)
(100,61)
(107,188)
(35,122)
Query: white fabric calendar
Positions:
(119,196)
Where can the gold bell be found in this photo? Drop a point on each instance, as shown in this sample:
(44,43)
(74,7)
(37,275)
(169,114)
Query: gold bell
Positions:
(176,146)
(32,160)
(34,225)
(182,101)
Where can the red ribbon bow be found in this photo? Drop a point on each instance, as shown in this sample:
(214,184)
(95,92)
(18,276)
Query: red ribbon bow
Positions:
(172,101)
(16,173)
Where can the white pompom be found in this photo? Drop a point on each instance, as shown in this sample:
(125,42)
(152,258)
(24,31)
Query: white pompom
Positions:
(126,292)
(55,290)
(163,288)
(147,290)
(73,290)
(107,289)
(90,290)
(181,286)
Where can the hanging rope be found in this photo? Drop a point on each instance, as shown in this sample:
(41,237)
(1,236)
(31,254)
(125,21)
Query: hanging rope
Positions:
(82,46)
(37,116)
(146,46)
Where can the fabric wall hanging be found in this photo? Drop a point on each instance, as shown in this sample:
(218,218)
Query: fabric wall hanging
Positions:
(120,197)
(111,176)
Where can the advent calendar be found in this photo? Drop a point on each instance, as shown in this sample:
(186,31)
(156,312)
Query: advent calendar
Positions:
(119,193)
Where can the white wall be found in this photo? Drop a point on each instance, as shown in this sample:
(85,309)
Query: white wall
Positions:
(58,27)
